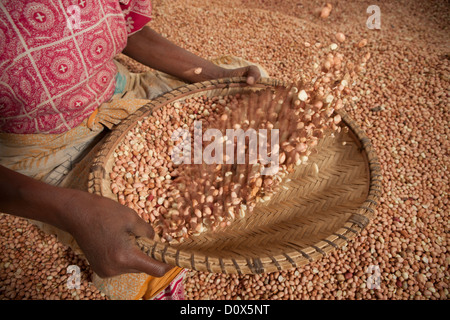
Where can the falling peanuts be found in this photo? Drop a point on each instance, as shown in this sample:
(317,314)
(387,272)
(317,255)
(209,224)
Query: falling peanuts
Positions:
(362,43)
(177,209)
(282,157)
(302,95)
(316,168)
(340,37)
(329,98)
(326,10)
(337,119)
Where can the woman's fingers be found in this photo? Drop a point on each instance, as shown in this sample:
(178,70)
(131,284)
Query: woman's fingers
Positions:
(252,74)
(140,262)
(140,228)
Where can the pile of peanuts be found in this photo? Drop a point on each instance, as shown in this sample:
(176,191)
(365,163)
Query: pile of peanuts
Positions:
(401,102)
(34,265)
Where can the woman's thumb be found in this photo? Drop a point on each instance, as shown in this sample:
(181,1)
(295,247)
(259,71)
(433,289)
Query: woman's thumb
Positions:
(252,74)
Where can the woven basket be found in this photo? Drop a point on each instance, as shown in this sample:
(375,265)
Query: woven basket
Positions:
(318,213)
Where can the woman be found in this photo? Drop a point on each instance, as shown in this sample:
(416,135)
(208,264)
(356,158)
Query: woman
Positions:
(60,91)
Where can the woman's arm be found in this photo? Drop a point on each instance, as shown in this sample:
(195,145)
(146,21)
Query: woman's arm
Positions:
(104,229)
(155,51)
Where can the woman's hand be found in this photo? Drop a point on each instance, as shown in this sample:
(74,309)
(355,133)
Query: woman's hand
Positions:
(104,229)
(106,232)
(252,73)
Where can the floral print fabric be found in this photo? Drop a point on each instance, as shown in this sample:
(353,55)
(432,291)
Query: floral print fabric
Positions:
(56,59)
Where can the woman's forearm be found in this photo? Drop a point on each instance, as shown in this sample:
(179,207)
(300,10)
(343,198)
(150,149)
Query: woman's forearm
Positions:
(154,51)
(28,198)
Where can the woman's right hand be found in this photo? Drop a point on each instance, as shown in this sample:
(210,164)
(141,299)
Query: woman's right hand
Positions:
(106,232)
(104,229)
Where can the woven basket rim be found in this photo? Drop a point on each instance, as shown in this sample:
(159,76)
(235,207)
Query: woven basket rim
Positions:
(169,254)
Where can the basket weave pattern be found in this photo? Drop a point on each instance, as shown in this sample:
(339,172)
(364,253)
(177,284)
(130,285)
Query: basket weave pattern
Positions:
(317,211)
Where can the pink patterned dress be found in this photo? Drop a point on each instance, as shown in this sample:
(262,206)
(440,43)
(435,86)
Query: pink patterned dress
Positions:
(56,59)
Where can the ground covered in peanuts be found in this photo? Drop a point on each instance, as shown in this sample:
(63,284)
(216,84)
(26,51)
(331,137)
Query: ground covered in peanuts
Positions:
(400,100)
